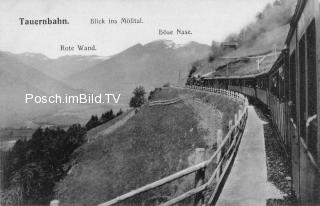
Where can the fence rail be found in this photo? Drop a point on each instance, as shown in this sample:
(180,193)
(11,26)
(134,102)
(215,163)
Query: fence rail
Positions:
(220,161)
(222,157)
(165,102)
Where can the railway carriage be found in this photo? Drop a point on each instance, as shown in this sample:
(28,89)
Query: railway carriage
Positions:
(303,76)
(262,88)
(291,91)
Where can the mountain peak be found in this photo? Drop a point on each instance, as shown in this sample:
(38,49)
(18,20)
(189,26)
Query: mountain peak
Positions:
(135,48)
(171,44)
(35,55)
(164,43)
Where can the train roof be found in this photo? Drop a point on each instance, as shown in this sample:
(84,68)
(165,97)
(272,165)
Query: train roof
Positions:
(246,67)
(296,15)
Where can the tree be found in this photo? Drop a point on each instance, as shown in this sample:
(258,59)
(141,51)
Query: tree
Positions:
(32,167)
(119,113)
(107,116)
(93,122)
(138,98)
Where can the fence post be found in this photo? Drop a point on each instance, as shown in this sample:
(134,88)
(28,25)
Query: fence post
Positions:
(54,203)
(230,126)
(199,177)
(235,118)
(219,141)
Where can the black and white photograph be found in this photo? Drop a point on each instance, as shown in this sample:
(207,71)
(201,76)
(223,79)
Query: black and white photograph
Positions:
(159,103)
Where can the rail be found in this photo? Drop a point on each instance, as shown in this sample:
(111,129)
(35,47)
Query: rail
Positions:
(219,162)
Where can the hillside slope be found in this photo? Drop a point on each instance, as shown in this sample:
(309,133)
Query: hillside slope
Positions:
(152,144)
(156,142)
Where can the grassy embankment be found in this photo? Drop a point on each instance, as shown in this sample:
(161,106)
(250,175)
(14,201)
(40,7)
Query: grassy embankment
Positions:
(155,143)
(228,107)
(94,133)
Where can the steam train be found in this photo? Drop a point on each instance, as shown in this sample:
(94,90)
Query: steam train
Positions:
(290,89)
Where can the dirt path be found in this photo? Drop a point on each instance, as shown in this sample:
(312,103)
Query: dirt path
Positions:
(112,127)
(118,124)
(248,182)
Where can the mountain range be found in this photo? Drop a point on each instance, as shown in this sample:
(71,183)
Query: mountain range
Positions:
(150,65)
(18,79)
(62,67)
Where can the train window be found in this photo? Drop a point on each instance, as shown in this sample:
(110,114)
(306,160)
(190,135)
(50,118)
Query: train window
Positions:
(292,79)
(312,88)
(266,83)
(302,87)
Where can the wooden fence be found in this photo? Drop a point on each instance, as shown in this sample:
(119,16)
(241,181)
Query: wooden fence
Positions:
(220,161)
(165,102)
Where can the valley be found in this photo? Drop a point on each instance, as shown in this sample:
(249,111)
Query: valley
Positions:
(150,65)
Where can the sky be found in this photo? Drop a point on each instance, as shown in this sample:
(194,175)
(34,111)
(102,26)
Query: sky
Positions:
(208,20)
